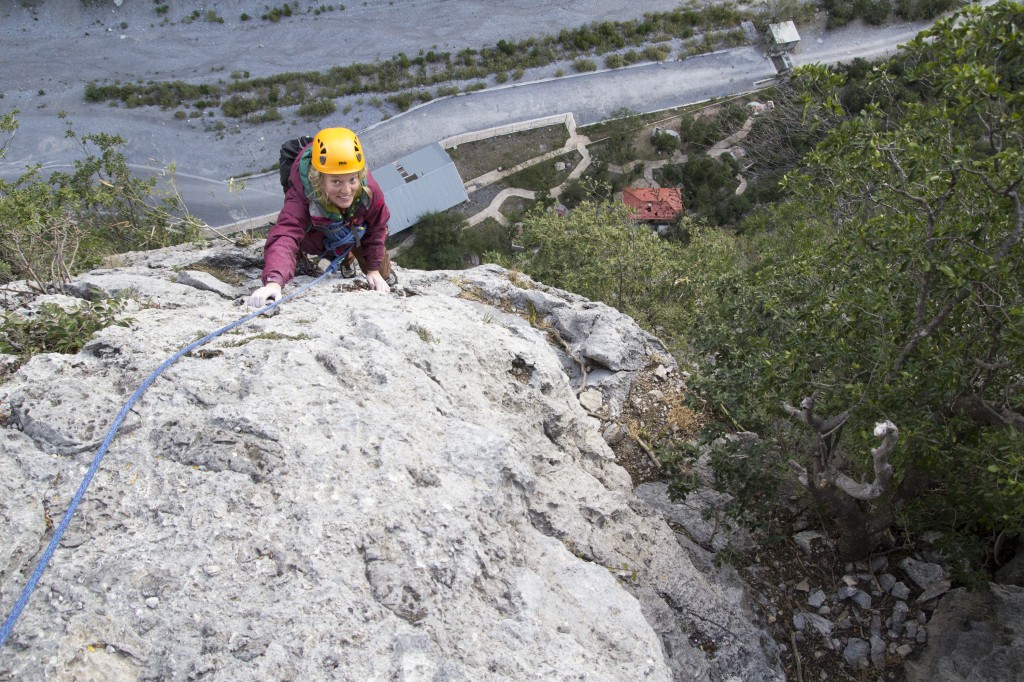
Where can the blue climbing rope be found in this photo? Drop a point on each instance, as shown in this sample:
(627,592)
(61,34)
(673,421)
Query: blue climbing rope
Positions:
(58,534)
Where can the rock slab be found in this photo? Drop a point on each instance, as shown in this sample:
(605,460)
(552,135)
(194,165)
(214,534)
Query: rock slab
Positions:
(356,486)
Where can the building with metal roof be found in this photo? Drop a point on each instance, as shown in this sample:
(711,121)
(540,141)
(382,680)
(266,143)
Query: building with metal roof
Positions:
(421,182)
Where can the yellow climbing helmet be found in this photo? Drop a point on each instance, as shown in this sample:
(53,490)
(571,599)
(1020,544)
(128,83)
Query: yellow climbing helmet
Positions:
(337,150)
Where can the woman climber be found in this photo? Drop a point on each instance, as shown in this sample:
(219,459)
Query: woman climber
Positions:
(333,207)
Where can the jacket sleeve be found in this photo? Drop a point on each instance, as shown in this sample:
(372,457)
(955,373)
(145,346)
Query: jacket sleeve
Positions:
(377,217)
(282,243)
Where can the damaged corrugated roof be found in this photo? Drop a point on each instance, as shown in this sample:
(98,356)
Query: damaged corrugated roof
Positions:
(421,182)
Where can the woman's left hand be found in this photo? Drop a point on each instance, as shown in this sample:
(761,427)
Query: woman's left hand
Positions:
(377,282)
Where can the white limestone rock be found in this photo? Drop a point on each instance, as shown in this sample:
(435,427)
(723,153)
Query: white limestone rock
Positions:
(381,486)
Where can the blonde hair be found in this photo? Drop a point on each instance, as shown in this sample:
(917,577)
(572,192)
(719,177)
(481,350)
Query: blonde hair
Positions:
(316,182)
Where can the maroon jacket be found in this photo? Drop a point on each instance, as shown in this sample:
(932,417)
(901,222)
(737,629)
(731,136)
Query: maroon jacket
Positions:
(297,228)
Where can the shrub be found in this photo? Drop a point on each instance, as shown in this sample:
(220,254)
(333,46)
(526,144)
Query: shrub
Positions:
(438,244)
(55,330)
(268,115)
(614,61)
(584,65)
(656,53)
(840,14)
(874,12)
(52,227)
(916,10)
(402,100)
(665,142)
(627,265)
(237,107)
(317,109)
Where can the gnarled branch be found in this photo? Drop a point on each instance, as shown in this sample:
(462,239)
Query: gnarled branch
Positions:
(827,473)
(888,432)
(988,412)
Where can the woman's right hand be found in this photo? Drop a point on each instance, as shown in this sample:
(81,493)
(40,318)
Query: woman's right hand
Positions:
(377,282)
(265,294)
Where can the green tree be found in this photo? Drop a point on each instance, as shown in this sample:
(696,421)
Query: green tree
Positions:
(437,243)
(665,142)
(892,291)
(598,250)
(52,227)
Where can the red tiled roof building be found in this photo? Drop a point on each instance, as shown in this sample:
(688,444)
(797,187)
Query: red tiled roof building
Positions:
(654,205)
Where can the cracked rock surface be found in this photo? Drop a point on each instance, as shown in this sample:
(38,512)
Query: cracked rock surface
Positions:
(356,486)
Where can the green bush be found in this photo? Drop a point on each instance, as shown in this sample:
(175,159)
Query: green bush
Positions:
(52,227)
(238,107)
(317,109)
(597,250)
(665,142)
(656,53)
(402,100)
(917,10)
(840,14)
(438,244)
(874,12)
(55,330)
(584,65)
(268,115)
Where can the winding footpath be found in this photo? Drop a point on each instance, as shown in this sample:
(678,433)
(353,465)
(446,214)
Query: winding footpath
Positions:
(578,143)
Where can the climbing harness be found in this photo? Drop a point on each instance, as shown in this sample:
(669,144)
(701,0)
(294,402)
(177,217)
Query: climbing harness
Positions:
(340,239)
(58,534)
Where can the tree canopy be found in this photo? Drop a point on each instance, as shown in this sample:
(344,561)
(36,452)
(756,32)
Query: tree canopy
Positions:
(869,326)
(890,286)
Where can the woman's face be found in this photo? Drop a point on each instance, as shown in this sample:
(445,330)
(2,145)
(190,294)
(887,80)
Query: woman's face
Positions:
(342,189)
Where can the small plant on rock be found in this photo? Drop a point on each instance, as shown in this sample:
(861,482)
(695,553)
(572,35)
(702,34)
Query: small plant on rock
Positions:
(56,330)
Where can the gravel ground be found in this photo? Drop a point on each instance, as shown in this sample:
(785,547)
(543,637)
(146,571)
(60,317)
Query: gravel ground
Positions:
(94,46)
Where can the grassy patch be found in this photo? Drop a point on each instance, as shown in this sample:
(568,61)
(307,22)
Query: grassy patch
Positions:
(543,176)
(473,159)
(268,336)
(223,274)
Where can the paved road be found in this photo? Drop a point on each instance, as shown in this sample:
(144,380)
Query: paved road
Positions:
(590,97)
